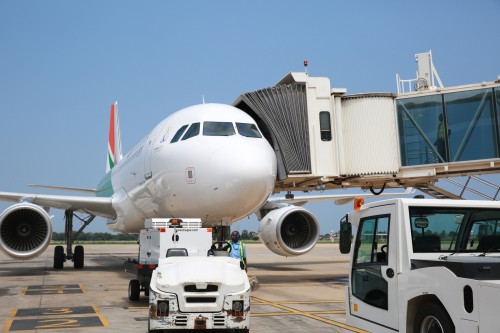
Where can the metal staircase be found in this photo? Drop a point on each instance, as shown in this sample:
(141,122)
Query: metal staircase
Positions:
(475,185)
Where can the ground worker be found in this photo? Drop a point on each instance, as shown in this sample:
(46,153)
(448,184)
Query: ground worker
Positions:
(238,250)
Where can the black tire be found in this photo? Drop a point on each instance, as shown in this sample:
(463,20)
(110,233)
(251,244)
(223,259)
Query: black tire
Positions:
(78,257)
(134,290)
(59,257)
(432,318)
(146,291)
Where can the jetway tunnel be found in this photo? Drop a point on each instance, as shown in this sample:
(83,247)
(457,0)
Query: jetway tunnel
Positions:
(326,139)
(281,113)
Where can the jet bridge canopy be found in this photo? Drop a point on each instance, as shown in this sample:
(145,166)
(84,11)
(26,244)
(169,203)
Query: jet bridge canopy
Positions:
(281,112)
(326,139)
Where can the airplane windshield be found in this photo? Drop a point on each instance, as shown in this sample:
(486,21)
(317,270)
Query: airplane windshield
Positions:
(193,130)
(248,130)
(216,128)
(177,135)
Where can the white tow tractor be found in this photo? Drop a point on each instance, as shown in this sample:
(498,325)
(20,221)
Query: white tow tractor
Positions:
(191,283)
(199,293)
(420,265)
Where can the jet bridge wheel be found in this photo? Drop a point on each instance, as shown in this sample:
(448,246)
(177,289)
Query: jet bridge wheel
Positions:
(134,290)
(59,257)
(432,318)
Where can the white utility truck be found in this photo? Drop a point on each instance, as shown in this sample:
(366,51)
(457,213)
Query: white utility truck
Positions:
(423,265)
(196,285)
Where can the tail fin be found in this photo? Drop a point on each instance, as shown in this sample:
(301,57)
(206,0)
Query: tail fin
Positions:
(114,139)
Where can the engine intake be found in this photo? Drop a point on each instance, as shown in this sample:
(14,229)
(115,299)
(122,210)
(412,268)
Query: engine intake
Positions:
(25,231)
(289,231)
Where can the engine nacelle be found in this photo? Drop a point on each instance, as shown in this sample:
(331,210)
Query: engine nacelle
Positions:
(25,231)
(289,231)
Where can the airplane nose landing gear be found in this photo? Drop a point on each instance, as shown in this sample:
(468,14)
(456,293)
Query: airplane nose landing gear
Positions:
(78,256)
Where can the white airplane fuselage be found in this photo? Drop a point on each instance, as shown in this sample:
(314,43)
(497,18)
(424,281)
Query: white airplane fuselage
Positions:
(207,161)
(220,176)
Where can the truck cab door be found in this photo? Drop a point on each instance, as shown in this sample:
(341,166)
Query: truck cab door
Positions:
(373,282)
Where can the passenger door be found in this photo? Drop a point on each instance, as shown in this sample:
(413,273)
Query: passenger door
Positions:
(152,142)
(373,283)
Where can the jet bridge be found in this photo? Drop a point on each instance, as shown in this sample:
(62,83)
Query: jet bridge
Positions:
(327,139)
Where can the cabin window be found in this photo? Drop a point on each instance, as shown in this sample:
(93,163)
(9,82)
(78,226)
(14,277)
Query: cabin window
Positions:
(193,130)
(218,128)
(325,126)
(179,133)
(248,130)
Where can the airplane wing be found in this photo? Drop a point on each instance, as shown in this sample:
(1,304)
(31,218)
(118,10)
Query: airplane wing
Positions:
(340,199)
(92,205)
(64,188)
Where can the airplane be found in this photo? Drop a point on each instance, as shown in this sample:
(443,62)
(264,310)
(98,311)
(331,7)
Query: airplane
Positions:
(207,161)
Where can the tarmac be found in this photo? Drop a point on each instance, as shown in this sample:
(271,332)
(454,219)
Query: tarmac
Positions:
(292,294)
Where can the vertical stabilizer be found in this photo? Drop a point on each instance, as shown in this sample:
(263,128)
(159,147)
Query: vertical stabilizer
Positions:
(114,139)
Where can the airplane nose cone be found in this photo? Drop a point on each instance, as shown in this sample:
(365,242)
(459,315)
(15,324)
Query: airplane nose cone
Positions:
(247,176)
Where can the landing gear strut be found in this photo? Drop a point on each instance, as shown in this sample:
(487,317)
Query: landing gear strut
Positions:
(222,233)
(78,255)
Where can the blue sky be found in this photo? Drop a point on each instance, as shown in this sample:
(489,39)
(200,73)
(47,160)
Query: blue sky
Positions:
(62,63)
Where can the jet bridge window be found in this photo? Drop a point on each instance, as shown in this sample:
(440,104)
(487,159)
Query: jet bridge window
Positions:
(325,126)
(451,127)
(179,133)
(218,128)
(193,130)
(248,130)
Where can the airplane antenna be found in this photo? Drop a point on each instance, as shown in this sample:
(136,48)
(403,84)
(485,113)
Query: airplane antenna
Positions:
(203,98)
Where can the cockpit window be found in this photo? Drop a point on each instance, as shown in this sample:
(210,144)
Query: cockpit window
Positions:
(248,130)
(179,133)
(218,128)
(193,130)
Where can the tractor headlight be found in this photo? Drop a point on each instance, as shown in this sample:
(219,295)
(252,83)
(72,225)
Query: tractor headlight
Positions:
(237,308)
(162,309)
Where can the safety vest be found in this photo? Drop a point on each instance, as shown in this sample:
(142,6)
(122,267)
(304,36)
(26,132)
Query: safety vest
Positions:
(441,131)
(242,247)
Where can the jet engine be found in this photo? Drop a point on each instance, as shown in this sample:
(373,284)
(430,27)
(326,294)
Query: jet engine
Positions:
(289,231)
(25,231)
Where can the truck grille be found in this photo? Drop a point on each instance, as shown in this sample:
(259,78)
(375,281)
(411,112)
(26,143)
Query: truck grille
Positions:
(181,320)
(192,288)
(201,299)
(219,320)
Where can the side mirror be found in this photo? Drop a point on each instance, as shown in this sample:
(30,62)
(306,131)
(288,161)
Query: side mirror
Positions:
(345,236)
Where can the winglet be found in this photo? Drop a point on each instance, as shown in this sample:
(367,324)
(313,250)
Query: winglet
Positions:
(114,139)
